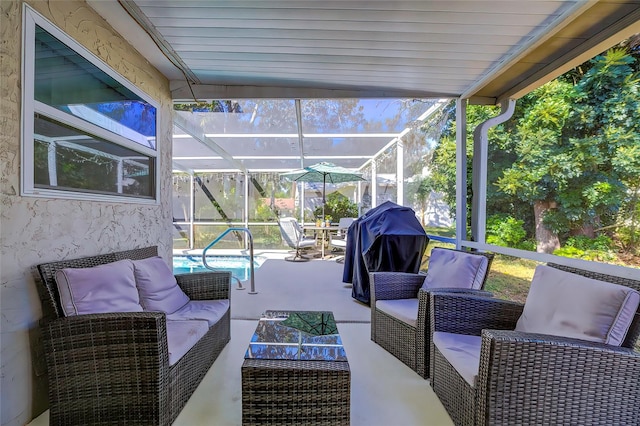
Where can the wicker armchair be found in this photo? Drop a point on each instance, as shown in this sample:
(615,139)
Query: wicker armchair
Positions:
(408,338)
(526,378)
(114,368)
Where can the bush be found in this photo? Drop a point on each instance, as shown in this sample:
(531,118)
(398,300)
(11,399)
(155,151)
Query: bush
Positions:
(507,231)
(582,247)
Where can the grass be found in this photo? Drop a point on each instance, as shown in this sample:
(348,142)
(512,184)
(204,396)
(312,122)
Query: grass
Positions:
(509,277)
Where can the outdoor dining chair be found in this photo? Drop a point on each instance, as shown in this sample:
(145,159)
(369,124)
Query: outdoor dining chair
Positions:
(400,301)
(564,357)
(293,235)
(338,241)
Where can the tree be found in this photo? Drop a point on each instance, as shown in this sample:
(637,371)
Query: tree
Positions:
(578,150)
(568,162)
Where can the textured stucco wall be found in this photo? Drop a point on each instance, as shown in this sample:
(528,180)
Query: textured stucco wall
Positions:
(36,230)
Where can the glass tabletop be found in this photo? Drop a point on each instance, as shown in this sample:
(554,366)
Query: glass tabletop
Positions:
(296,335)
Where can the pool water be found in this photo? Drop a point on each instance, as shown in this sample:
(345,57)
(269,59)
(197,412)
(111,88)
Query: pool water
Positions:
(240,266)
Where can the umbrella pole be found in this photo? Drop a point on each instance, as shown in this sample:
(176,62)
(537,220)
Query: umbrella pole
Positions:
(324,200)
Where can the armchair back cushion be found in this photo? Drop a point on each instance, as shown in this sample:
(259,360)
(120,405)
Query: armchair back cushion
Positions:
(570,305)
(455,269)
(159,290)
(100,289)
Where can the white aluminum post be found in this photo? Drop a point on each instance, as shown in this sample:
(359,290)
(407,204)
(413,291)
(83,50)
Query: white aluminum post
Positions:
(461,171)
(192,209)
(400,172)
(374,184)
(246,206)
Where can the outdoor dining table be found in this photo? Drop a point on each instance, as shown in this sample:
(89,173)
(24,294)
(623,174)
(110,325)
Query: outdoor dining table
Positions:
(325,231)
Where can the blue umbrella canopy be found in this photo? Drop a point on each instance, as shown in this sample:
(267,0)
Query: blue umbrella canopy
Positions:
(323,172)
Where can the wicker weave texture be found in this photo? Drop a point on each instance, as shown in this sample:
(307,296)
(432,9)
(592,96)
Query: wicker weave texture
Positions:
(527,378)
(114,368)
(284,392)
(409,343)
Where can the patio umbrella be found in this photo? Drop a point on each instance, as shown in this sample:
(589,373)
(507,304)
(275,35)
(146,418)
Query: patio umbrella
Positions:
(323,172)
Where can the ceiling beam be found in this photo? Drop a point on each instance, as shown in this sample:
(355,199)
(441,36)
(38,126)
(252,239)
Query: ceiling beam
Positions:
(183,91)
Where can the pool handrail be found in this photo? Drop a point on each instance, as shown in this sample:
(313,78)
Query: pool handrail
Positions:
(212,243)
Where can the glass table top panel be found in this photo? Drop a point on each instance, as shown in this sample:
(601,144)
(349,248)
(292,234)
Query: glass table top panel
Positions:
(293,335)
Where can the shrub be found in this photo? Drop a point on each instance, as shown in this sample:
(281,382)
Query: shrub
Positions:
(583,247)
(507,231)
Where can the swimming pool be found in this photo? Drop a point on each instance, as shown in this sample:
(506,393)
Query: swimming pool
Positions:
(240,266)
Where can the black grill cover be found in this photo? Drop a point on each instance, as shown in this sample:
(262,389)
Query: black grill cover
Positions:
(386,238)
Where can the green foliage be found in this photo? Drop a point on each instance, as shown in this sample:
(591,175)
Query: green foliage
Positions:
(582,242)
(337,206)
(583,247)
(506,231)
(572,148)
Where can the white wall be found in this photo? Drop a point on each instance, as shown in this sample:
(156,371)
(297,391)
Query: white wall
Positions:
(37,230)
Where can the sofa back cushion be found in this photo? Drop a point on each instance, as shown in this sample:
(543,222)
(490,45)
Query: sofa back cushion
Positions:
(100,289)
(569,305)
(457,269)
(159,290)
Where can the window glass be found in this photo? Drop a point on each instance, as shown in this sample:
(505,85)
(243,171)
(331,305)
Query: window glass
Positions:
(88,133)
(70,83)
(66,158)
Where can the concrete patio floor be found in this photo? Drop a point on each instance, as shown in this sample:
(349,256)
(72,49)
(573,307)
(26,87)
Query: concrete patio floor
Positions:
(384,392)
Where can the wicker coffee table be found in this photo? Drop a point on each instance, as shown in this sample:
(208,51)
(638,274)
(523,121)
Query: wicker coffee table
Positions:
(296,371)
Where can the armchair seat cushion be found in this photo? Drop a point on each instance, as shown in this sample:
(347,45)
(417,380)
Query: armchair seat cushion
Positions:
(455,269)
(183,335)
(206,310)
(570,305)
(405,310)
(462,352)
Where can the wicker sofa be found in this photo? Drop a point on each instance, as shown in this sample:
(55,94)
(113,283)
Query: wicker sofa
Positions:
(113,368)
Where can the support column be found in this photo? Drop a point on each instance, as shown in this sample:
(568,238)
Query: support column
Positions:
(192,210)
(245,217)
(461,171)
(374,184)
(400,172)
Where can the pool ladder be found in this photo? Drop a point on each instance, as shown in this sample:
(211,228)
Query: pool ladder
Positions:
(212,243)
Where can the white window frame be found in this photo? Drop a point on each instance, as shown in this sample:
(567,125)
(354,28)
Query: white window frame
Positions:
(30,107)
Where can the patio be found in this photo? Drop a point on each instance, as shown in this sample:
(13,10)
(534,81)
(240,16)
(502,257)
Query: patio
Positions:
(471,53)
(376,374)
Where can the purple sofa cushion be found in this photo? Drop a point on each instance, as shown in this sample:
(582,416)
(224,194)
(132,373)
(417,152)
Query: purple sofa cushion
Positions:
(182,336)
(159,290)
(207,310)
(101,289)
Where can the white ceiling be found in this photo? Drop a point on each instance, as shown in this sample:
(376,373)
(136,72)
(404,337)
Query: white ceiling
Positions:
(478,49)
